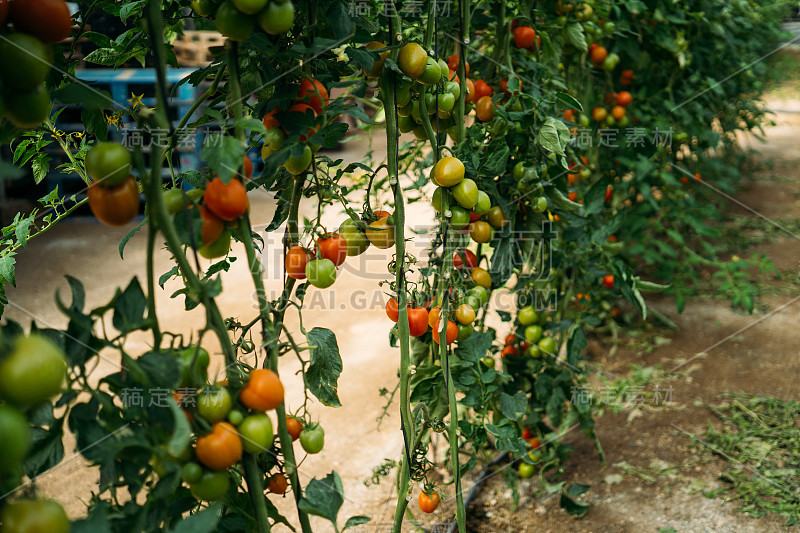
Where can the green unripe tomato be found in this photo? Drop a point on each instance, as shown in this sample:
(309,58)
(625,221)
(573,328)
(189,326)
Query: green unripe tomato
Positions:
(191,472)
(534,351)
(277,17)
(464,331)
(16,439)
(108,163)
(257,433)
(33,372)
(533,333)
(547,345)
(298,165)
(214,404)
(488,361)
(432,73)
(211,486)
(483,205)
(235,417)
(527,316)
(472,301)
(453,88)
(481,294)
(405,124)
(539,204)
(446,102)
(459,218)
(357,241)
(234,24)
(466,193)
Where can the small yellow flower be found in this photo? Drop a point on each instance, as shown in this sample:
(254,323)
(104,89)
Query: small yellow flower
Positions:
(136,101)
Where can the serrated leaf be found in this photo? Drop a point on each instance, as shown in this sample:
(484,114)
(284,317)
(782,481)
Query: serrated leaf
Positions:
(323,497)
(223,154)
(40,166)
(513,407)
(22,230)
(325,368)
(7,263)
(203,522)
(575,36)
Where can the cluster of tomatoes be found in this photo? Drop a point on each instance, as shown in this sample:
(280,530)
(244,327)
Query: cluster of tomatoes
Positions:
(526,469)
(312,97)
(32,371)
(114,193)
(26,56)
(226,428)
(330,250)
(465,205)
(425,71)
(237,19)
(529,338)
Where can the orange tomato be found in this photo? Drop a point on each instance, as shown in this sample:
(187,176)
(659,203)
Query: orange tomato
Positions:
(220,449)
(573,196)
(264,390)
(269,119)
(452,63)
(212,226)
(482,89)
(433,316)
(114,206)
(484,109)
(247,168)
(598,55)
(227,201)
(450,334)
(470,92)
(599,113)
(524,36)
(618,112)
(294,427)
(314,93)
(295,264)
(569,115)
(508,351)
(624,98)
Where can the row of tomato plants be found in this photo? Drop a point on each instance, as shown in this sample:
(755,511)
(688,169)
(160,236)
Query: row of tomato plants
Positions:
(511,107)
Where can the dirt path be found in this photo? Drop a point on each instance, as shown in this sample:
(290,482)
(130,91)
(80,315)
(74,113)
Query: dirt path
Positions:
(759,360)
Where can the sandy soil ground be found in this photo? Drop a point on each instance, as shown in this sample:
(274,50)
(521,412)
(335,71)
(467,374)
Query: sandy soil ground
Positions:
(759,360)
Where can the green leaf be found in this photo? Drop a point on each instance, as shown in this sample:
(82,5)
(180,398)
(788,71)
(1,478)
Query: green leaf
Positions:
(87,96)
(475,346)
(96,522)
(129,308)
(7,263)
(361,58)
(128,8)
(128,237)
(575,345)
(40,166)
(553,136)
(575,36)
(282,209)
(569,102)
(355,521)
(203,522)
(574,507)
(223,154)
(649,286)
(251,124)
(22,230)
(323,497)
(339,20)
(323,373)
(513,407)
(95,122)
(181,433)
(577,489)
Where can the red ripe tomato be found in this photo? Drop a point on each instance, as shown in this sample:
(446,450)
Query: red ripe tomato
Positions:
(278,484)
(534,442)
(608,281)
(609,192)
(481,89)
(684,180)
(114,206)
(296,261)
(314,93)
(293,427)
(524,36)
(509,351)
(247,168)
(510,339)
(428,502)
(463,257)
(270,121)
(452,63)
(526,434)
(624,98)
(212,226)
(227,201)
(698,177)
(569,115)
(573,196)
(417,321)
(392,311)
(303,109)
(598,55)
(450,335)
(334,248)
(48,20)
